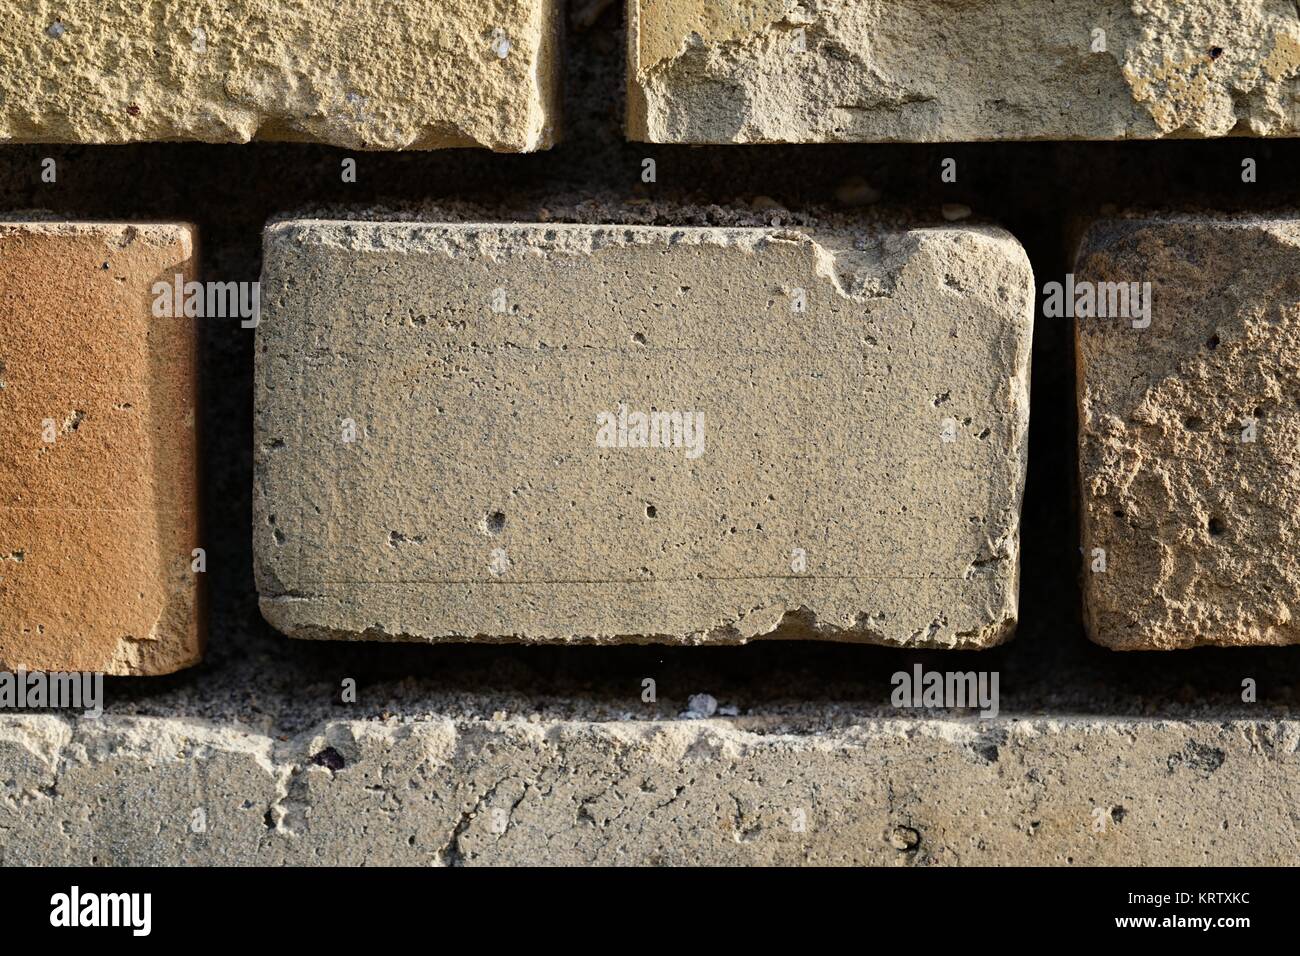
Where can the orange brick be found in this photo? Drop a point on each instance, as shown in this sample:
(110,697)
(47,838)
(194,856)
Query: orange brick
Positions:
(98,451)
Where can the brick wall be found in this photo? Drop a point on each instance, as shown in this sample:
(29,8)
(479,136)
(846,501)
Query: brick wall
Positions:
(772,223)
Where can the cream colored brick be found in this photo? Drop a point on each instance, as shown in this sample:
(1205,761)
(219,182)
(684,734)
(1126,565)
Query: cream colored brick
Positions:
(791,71)
(376,74)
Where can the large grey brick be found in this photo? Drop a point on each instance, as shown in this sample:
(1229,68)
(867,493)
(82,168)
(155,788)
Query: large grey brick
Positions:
(453,791)
(476,504)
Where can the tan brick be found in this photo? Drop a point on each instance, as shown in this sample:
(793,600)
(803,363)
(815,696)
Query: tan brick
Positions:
(793,71)
(97,527)
(479,502)
(377,74)
(1190,434)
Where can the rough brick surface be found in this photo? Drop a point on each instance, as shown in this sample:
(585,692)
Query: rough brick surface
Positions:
(124,790)
(1189,434)
(723,71)
(415,74)
(96,527)
(476,501)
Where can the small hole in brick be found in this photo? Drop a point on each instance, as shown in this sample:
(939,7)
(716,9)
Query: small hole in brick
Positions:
(1213,342)
(904,839)
(494,522)
(1193,423)
(651,511)
(638,338)
(1216,526)
(330,759)
(1216,52)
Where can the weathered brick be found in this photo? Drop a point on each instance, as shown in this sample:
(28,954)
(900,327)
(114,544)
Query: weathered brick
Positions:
(726,71)
(1189,434)
(377,74)
(448,789)
(98,455)
(477,501)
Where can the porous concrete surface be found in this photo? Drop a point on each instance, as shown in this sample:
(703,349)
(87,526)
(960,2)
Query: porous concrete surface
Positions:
(455,792)
(802,71)
(795,692)
(99,502)
(377,74)
(1189,433)
(857,412)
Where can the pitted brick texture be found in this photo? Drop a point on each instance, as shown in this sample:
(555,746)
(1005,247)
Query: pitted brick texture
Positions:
(473,363)
(1190,435)
(794,71)
(378,74)
(456,792)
